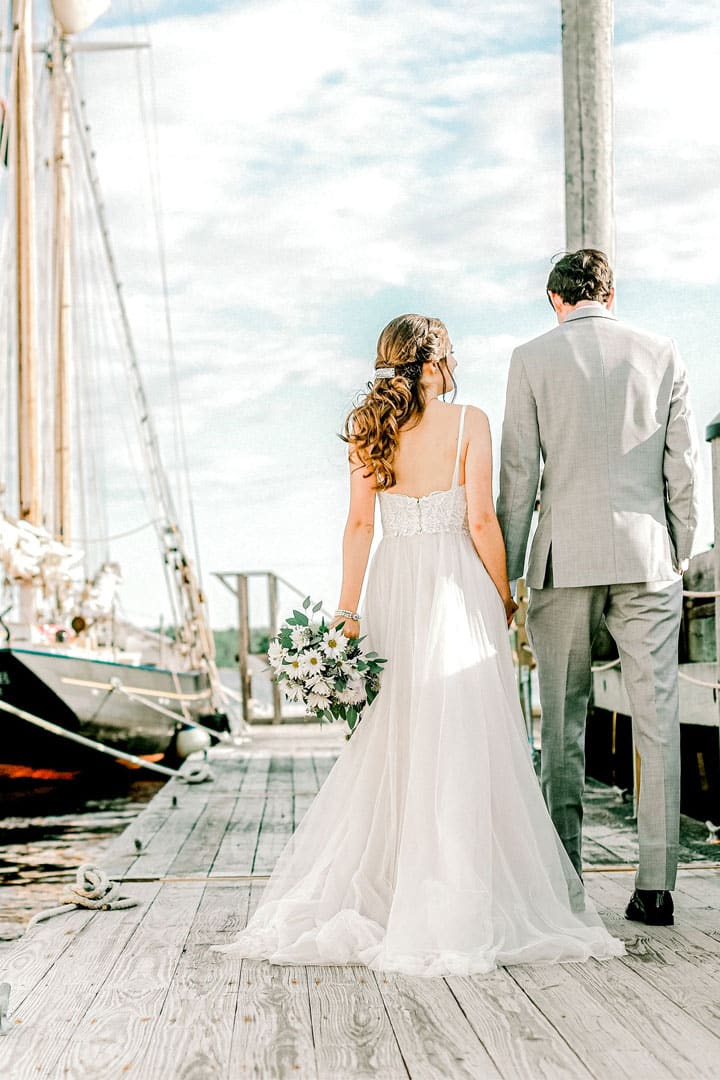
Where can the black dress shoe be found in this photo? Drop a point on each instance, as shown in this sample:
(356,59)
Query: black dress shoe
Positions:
(652,907)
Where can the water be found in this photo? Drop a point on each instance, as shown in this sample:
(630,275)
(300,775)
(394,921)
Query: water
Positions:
(45,839)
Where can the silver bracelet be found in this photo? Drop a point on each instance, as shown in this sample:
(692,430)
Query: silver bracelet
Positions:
(348,614)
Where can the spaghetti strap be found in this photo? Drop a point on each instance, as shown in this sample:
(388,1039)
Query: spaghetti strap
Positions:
(456,472)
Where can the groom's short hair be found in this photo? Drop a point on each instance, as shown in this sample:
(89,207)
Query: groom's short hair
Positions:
(581,275)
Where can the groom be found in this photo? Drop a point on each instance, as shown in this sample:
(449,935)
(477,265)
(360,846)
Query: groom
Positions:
(606,407)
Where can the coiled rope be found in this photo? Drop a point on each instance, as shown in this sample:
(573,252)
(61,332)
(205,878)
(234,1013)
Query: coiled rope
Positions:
(92,890)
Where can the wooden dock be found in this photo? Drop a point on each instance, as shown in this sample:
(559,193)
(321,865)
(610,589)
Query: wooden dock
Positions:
(137,994)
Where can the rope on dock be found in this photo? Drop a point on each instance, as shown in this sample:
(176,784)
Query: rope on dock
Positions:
(192,774)
(92,890)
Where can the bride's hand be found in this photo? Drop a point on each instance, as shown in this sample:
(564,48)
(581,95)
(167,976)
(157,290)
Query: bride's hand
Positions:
(349,627)
(510,609)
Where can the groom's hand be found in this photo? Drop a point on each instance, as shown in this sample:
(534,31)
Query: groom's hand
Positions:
(510,609)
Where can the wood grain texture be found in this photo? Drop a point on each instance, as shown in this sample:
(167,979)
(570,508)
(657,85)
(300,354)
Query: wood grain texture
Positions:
(273,1031)
(434,1035)
(117,1029)
(590,1023)
(57,1004)
(137,994)
(352,1032)
(192,1036)
(236,853)
(519,1039)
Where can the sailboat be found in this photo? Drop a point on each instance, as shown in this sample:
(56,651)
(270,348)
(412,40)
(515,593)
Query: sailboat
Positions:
(69,657)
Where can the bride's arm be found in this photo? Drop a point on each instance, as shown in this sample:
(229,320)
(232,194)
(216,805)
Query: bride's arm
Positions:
(484,525)
(357,540)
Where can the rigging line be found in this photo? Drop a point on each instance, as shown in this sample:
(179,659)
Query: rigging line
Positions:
(149,440)
(89,453)
(117,536)
(193,629)
(153,158)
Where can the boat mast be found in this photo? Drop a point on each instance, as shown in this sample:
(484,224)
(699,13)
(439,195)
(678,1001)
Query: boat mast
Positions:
(28,474)
(61,62)
(194,633)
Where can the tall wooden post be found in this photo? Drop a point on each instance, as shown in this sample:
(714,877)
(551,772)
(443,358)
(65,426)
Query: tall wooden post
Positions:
(587,43)
(244,644)
(273,629)
(712,434)
(62,255)
(28,474)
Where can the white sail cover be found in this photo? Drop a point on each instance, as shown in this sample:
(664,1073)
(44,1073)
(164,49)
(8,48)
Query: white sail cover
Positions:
(76,15)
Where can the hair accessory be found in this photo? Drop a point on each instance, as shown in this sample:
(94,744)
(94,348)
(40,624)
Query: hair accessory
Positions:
(384,372)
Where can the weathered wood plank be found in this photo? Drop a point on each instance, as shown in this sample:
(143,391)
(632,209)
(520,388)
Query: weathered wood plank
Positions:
(433,1033)
(197,853)
(323,764)
(276,829)
(273,1031)
(591,1026)
(305,786)
(679,961)
(640,1012)
(116,1031)
(352,1033)
(34,955)
(519,1039)
(701,885)
(191,1039)
(236,854)
(58,1003)
(159,849)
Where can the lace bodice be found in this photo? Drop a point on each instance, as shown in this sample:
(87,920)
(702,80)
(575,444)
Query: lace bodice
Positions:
(439,512)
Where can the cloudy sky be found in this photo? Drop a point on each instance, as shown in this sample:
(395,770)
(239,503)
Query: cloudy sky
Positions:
(326,166)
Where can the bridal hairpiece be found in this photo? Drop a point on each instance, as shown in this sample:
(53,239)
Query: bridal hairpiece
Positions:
(384,372)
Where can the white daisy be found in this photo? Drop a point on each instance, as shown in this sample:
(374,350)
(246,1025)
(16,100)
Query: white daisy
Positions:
(276,654)
(294,667)
(333,643)
(300,636)
(317,701)
(311,663)
(321,687)
(354,693)
(293,691)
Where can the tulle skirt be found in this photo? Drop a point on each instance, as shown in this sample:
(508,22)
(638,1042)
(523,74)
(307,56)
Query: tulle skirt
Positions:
(429,849)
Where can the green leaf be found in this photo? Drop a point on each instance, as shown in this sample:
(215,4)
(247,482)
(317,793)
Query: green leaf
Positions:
(317,607)
(307,602)
(300,618)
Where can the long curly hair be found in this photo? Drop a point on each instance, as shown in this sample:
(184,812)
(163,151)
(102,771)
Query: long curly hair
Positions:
(372,429)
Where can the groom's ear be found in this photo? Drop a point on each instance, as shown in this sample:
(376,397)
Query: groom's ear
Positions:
(610,302)
(556,302)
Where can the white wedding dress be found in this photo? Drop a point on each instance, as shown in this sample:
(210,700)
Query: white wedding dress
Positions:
(429,849)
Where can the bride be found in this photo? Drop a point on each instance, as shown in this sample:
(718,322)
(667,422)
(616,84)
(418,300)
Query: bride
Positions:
(429,849)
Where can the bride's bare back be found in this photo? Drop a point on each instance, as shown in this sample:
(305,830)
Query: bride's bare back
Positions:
(425,457)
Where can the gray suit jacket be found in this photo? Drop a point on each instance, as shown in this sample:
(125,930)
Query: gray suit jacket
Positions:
(606,406)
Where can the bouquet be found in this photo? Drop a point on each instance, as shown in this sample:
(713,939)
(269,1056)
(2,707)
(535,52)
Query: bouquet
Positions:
(315,664)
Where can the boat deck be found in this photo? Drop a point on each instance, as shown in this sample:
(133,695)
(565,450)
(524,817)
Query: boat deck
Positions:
(136,994)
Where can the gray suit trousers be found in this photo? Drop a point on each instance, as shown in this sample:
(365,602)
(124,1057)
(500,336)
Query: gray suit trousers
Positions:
(644,620)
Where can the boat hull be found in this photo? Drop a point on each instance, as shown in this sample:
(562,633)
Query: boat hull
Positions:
(125,707)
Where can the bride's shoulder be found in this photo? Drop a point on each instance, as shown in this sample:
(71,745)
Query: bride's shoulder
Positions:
(475,418)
